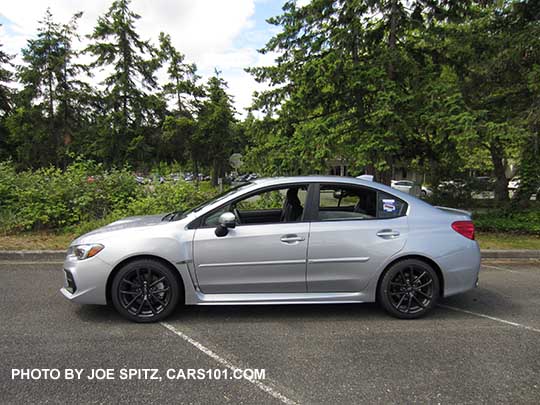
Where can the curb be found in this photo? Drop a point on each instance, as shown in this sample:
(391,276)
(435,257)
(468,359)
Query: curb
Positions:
(33,255)
(510,254)
(59,255)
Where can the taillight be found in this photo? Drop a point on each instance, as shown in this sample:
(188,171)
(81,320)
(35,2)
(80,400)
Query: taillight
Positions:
(465,228)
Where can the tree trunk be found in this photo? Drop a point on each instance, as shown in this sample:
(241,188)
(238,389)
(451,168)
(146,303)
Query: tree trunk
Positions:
(215,172)
(392,38)
(497,158)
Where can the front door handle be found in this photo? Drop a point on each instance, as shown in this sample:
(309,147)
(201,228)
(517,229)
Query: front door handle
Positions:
(292,238)
(387,234)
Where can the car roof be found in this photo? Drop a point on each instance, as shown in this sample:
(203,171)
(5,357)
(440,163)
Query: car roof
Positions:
(270,181)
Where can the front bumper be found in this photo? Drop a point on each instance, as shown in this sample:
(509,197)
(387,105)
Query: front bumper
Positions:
(85,281)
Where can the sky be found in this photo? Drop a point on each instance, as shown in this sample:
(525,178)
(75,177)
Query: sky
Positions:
(214,34)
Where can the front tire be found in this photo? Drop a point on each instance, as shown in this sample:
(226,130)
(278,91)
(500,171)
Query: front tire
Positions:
(145,291)
(409,289)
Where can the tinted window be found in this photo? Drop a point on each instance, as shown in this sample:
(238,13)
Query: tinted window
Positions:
(344,202)
(339,202)
(389,206)
(285,204)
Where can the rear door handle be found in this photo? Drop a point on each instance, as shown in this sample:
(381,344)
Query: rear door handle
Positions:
(292,238)
(387,234)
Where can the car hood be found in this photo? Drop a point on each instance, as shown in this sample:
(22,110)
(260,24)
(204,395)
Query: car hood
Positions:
(142,221)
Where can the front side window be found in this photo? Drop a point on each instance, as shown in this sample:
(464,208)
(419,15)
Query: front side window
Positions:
(284,204)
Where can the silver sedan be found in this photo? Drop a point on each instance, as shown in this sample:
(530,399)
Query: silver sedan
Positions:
(287,240)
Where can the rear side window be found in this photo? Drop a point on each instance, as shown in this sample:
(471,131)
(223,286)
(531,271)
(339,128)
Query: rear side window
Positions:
(344,202)
(339,202)
(389,206)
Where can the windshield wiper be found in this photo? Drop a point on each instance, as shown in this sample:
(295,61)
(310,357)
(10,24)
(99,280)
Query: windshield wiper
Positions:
(171,216)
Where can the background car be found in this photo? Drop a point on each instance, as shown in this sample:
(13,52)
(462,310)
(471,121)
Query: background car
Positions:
(513,184)
(407,186)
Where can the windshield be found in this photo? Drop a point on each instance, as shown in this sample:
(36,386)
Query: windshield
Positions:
(174,216)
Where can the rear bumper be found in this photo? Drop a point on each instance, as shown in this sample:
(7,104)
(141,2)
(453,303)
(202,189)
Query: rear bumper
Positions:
(460,269)
(85,281)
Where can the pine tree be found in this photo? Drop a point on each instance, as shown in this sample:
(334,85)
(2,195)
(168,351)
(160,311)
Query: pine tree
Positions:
(46,113)
(6,99)
(214,137)
(118,48)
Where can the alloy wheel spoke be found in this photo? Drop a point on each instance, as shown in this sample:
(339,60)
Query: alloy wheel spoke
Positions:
(419,277)
(132,301)
(417,300)
(151,306)
(157,281)
(409,304)
(129,292)
(140,308)
(154,296)
(403,276)
(160,290)
(130,283)
(424,294)
(139,278)
(400,301)
(425,284)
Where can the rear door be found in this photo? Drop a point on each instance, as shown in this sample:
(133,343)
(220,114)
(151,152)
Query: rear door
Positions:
(355,231)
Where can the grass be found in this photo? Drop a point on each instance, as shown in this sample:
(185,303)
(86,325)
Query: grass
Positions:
(36,241)
(60,241)
(507,241)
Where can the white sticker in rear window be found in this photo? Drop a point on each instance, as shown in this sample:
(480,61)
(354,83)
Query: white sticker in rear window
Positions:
(389,205)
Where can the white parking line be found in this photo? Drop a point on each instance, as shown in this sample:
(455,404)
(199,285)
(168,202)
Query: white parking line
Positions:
(269,390)
(517,325)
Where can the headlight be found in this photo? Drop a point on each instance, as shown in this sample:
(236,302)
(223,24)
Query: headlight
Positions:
(82,252)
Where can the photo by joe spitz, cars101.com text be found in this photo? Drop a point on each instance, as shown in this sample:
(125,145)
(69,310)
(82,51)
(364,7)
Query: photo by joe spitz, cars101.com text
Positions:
(270,202)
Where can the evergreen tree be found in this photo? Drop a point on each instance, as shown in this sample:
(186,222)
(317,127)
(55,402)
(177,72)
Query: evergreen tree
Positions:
(214,138)
(183,93)
(47,106)
(6,96)
(127,130)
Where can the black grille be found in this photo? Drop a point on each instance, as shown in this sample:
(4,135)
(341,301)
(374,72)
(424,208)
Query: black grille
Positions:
(71,287)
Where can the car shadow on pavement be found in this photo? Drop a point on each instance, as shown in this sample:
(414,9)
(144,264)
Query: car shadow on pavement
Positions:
(478,300)
(289,312)
(99,314)
(485,301)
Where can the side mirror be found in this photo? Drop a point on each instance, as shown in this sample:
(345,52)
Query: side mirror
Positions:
(227,221)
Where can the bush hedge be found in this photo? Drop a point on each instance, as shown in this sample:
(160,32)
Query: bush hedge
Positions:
(509,220)
(86,195)
(83,193)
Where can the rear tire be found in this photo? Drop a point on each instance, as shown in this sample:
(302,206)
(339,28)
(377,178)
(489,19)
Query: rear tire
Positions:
(145,291)
(409,289)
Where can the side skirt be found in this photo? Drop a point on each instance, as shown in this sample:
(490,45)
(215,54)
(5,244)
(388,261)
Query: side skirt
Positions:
(280,298)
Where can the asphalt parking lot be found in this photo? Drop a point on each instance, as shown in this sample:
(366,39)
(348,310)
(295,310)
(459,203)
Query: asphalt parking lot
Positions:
(480,347)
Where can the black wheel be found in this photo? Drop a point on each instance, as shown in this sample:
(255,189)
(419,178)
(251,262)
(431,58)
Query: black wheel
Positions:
(409,289)
(145,291)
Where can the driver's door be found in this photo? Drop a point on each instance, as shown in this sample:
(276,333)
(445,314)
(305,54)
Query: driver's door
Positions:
(255,257)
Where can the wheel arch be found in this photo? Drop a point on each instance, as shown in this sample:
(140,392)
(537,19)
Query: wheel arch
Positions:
(425,259)
(130,259)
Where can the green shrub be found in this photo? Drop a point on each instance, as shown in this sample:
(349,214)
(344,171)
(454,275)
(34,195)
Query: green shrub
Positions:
(514,221)
(166,197)
(84,193)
